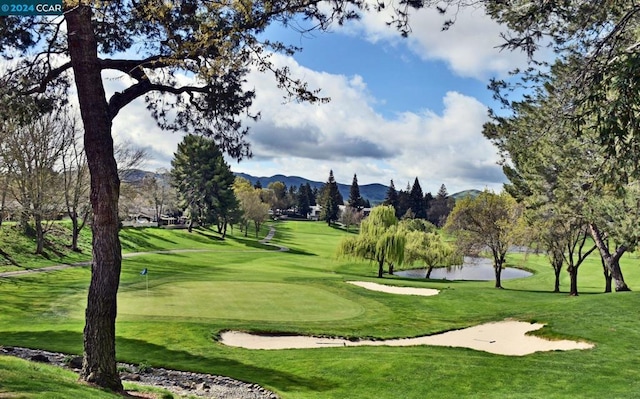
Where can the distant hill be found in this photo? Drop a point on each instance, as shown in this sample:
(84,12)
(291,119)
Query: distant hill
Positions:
(466,193)
(375,192)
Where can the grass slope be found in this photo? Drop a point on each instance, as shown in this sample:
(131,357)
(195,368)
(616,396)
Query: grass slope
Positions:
(240,285)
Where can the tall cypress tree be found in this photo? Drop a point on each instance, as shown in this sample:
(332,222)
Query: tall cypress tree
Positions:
(355,199)
(332,200)
(416,199)
(392,198)
(404,202)
(440,207)
(304,199)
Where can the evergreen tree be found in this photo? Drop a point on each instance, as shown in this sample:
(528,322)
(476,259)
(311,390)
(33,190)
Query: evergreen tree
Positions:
(404,203)
(416,200)
(355,200)
(428,202)
(441,207)
(332,199)
(392,197)
(204,182)
(304,200)
(258,185)
(442,192)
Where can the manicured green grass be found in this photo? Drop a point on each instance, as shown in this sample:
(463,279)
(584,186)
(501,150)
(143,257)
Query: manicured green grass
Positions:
(239,285)
(22,379)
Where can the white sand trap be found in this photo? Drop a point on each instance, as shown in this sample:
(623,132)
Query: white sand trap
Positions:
(390,289)
(502,338)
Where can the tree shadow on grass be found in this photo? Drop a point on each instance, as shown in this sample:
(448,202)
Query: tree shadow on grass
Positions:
(139,351)
(140,240)
(561,293)
(252,243)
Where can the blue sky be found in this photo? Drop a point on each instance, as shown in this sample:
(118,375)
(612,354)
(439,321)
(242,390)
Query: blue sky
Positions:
(400,109)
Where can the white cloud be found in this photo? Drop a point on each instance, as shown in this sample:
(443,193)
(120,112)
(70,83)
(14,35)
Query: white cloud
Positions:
(469,46)
(346,135)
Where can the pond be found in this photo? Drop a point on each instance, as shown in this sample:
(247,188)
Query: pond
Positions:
(479,269)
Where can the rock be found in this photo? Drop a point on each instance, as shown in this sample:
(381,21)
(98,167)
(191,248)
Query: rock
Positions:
(39,358)
(75,362)
(130,376)
(180,383)
(203,387)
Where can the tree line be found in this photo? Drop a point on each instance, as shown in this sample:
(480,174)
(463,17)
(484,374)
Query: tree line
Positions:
(44,174)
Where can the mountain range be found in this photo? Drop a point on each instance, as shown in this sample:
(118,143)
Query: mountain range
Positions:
(375,193)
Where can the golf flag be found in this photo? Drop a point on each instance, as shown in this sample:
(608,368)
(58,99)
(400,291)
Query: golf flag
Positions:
(143,272)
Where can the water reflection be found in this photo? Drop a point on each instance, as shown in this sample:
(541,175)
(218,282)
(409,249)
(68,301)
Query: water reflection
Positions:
(472,269)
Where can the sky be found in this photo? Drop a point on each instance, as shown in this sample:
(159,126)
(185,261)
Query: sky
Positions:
(400,108)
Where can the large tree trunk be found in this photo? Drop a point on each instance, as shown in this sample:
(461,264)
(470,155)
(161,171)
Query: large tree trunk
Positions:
(498,261)
(37,221)
(556,285)
(498,272)
(24,218)
(99,363)
(380,268)
(75,232)
(607,276)
(612,261)
(557,260)
(573,275)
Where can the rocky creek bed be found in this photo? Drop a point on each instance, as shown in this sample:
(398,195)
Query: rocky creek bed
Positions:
(181,383)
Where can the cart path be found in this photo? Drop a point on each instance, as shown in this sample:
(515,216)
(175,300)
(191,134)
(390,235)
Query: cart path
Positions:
(266,240)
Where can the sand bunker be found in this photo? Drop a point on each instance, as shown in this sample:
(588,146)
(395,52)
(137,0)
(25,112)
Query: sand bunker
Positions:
(390,289)
(501,338)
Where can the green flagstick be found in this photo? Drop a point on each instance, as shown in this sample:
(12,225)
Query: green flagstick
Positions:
(145,273)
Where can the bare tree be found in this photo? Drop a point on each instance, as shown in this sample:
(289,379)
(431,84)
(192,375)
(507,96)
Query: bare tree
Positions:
(157,192)
(75,173)
(129,158)
(350,216)
(32,153)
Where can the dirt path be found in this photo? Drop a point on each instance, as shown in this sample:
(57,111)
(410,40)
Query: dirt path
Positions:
(266,241)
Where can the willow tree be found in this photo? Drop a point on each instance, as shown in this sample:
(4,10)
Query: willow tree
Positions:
(380,240)
(187,60)
(430,249)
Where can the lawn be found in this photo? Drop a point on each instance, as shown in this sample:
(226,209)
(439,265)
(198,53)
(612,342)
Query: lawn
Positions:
(238,284)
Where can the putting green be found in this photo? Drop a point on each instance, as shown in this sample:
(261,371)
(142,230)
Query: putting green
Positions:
(237,300)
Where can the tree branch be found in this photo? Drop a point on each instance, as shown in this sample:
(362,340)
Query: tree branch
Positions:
(133,68)
(120,100)
(54,73)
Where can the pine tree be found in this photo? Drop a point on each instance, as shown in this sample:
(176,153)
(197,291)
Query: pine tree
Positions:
(441,207)
(355,200)
(442,193)
(404,203)
(416,200)
(304,200)
(204,182)
(332,199)
(392,197)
